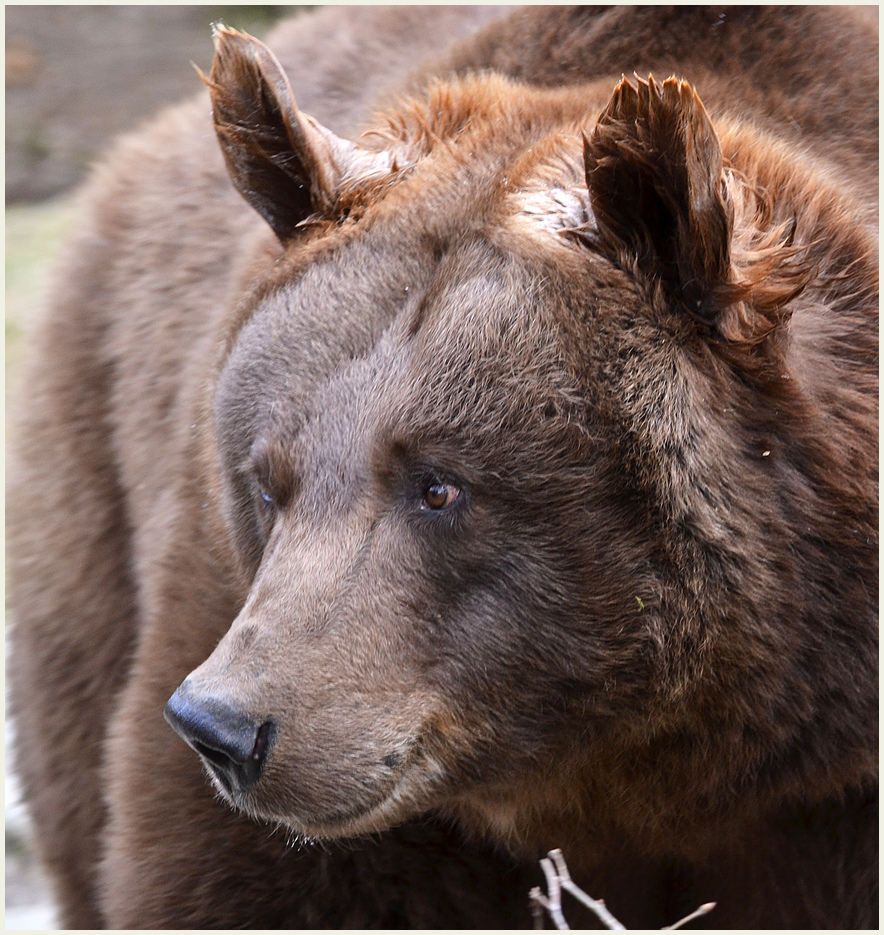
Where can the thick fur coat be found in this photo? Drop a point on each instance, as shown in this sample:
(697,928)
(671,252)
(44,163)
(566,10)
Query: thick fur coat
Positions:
(500,479)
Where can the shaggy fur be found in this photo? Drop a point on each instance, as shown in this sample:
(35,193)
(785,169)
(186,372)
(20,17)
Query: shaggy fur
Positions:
(504,479)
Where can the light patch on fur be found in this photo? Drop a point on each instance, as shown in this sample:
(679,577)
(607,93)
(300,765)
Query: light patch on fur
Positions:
(501,819)
(548,187)
(555,209)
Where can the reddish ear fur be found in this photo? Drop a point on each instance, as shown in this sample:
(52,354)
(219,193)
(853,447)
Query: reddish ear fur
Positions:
(654,173)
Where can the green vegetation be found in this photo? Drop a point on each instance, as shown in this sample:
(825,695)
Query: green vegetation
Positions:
(33,236)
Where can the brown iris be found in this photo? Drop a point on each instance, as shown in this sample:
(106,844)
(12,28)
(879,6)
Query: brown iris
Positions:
(439,496)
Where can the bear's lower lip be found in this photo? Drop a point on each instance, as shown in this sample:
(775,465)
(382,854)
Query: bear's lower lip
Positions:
(371,800)
(379,812)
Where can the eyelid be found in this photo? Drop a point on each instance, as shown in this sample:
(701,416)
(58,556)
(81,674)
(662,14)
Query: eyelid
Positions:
(269,466)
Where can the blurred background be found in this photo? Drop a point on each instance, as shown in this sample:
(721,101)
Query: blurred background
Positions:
(76,77)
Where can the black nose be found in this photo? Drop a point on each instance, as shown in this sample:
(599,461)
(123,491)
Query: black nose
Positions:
(231,743)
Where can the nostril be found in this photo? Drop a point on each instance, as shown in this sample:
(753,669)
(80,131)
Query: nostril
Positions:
(215,757)
(233,744)
(262,742)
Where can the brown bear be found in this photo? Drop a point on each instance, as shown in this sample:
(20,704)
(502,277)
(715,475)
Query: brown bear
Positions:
(502,481)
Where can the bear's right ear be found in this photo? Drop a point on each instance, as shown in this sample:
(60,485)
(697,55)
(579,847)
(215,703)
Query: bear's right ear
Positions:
(655,180)
(285,164)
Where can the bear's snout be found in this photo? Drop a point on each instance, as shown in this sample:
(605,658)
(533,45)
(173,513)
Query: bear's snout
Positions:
(230,742)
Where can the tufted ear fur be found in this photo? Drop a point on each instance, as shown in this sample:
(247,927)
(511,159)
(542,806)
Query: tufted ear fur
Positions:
(654,173)
(285,164)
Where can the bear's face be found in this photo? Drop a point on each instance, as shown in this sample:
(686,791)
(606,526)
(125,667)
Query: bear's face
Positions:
(467,436)
(441,569)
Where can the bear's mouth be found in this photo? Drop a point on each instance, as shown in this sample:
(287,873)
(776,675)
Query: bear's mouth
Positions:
(382,802)
(376,813)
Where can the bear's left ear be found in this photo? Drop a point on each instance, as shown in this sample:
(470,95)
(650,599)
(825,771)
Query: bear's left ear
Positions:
(283,162)
(655,178)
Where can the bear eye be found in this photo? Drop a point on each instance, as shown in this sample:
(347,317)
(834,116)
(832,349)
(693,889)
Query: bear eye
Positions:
(266,499)
(439,496)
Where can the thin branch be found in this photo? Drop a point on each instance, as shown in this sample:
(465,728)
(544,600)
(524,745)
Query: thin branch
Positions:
(541,903)
(596,905)
(558,878)
(537,900)
(706,907)
(554,895)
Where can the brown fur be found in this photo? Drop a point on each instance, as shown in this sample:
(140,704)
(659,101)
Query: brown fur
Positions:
(519,481)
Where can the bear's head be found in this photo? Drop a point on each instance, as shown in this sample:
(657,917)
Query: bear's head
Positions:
(495,449)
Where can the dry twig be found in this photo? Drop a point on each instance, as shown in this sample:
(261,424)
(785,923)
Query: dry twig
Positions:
(558,878)
(699,911)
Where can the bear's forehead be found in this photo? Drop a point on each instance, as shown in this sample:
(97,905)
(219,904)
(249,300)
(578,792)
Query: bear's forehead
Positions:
(471,304)
(458,344)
